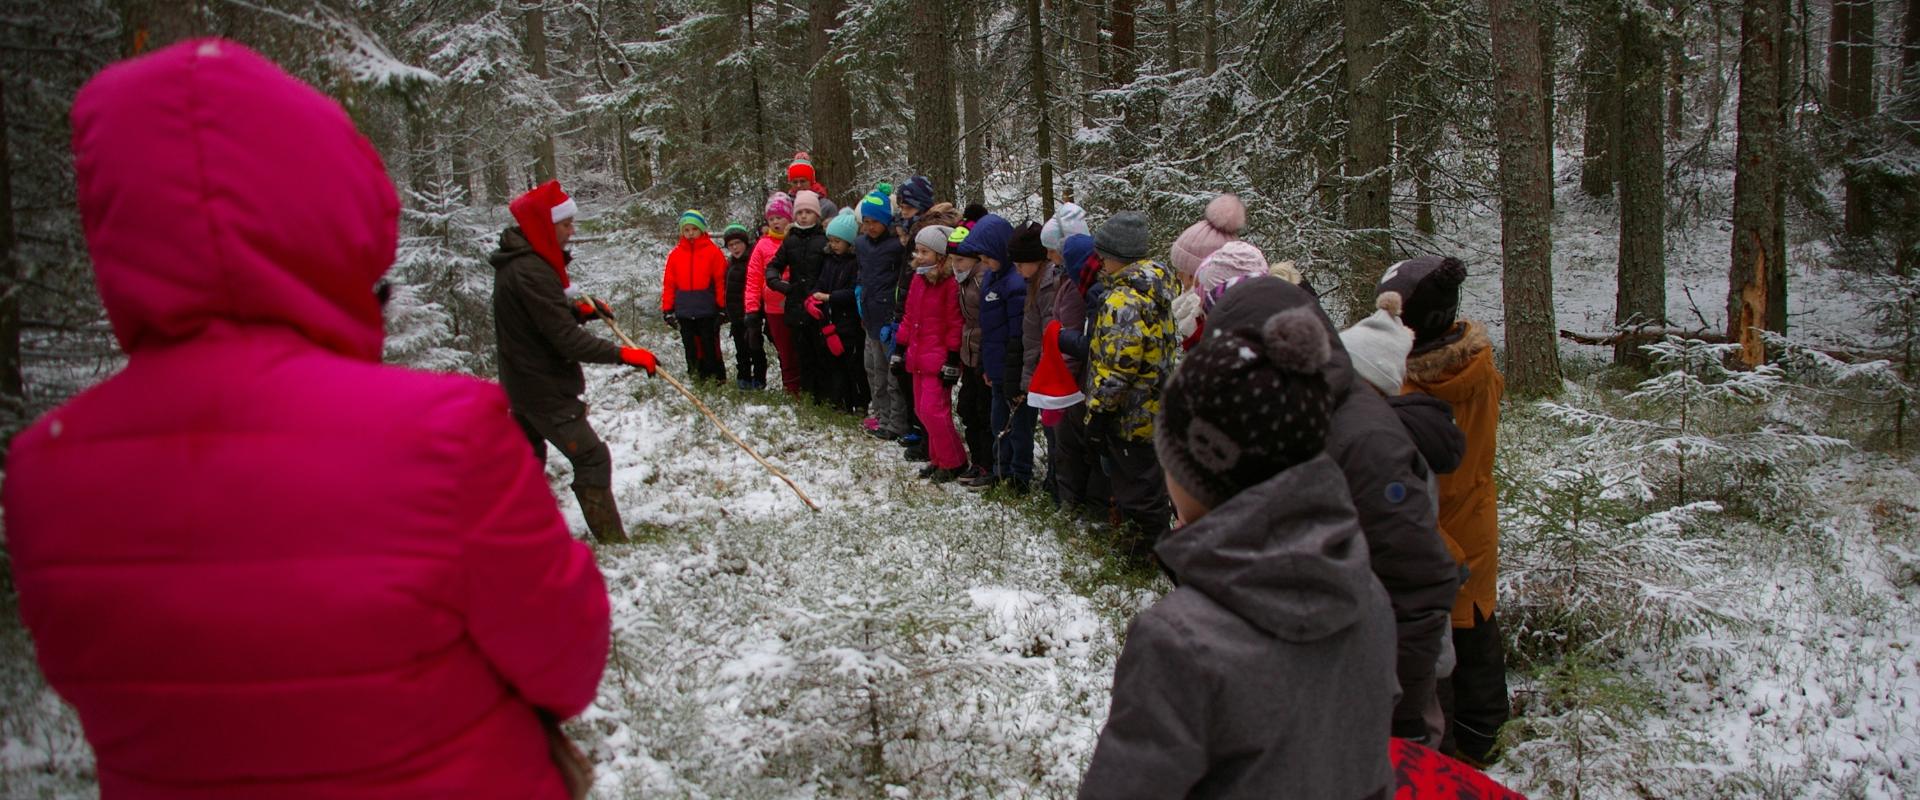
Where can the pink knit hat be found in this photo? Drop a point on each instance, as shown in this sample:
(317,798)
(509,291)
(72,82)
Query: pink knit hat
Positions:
(1226,219)
(780,205)
(806,201)
(1226,266)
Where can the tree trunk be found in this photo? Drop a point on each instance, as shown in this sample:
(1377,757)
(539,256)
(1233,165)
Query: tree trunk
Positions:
(1122,59)
(460,165)
(1863,104)
(1549,21)
(1210,34)
(832,111)
(1088,56)
(762,152)
(533,11)
(932,142)
(148,25)
(1791,57)
(1756,184)
(422,167)
(1368,170)
(1641,299)
(1037,65)
(976,158)
(1526,219)
(499,185)
(1676,77)
(1838,63)
(1175,62)
(12,386)
(1599,164)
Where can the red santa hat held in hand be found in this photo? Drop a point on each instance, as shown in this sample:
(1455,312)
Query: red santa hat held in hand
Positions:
(537,212)
(1053,387)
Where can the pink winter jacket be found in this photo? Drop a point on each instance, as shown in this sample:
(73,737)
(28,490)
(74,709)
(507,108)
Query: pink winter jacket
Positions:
(759,297)
(257,562)
(931,327)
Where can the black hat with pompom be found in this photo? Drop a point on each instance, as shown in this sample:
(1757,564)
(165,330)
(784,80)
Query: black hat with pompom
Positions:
(1429,292)
(1246,405)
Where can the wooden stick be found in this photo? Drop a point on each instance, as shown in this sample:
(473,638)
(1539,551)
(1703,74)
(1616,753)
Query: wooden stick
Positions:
(675,383)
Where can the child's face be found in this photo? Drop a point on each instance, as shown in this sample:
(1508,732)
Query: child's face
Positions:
(737,248)
(1054,257)
(838,246)
(691,232)
(964,263)
(779,225)
(904,211)
(872,228)
(798,185)
(1185,508)
(923,257)
(990,263)
(806,217)
(1027,269)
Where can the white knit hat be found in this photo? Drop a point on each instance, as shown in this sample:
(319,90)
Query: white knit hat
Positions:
(1379,345)
(1233,261)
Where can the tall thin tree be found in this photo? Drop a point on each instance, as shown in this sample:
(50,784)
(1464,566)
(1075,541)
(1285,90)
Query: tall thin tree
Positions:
(832,105)
(934,141)
(1043,127)
(12,387)
(1600,76)
(1756,187)
(534,14)
(1641,300)
(1368,162)
(1526,217)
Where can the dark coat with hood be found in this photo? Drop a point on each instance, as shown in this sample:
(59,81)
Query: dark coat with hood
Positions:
(736,303)
(879,276)
(1269,672)
(1079,290)
(837,275)
(1003,300)
(796,267)
(542,344)
(1388,487)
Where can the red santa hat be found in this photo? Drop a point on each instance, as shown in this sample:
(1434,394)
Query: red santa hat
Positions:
(1053,386)
(537,212)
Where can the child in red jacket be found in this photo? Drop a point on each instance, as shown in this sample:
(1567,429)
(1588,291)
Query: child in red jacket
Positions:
(930,332)
(692,296)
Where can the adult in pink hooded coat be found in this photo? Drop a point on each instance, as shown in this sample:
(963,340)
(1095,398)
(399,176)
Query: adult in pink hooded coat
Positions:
(256,561)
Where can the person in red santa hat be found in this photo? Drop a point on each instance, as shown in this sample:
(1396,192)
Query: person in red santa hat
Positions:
(801,178)
(538,316)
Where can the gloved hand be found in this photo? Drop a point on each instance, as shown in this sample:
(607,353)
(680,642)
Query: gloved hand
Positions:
(639,357)
(1100,428)
(898,360)
(860,301)
(672,321)
(950,372)
(887,333)
(600,307)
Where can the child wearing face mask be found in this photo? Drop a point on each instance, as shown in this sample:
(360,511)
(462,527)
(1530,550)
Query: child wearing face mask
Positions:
(930,332)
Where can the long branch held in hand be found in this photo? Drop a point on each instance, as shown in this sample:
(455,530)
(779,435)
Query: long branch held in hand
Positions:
(662,373)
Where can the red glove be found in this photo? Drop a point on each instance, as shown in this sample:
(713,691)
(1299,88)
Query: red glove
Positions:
(639,357)
(602,307)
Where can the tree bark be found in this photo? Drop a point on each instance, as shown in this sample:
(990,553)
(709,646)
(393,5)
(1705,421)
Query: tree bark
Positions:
(832,110)
(1043,129)
(1122,59)
(1676,76)
(533,12)
(148,25)
(1526,219)
(934,139)
(12,384)
(1088,49)
(762,151)
(1175,61)
(1599,164)
(1756,184)
(1863,104)
(1210,34)
(1368,167)
(976,158)
(1642,295)
(1839,39)
(1549,85)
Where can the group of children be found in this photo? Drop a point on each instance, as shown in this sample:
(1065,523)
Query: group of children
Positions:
(1328,504)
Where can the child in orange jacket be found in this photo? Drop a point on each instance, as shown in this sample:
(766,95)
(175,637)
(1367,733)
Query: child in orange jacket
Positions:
(692,296)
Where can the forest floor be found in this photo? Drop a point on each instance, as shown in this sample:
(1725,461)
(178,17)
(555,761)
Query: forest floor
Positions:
(922,641)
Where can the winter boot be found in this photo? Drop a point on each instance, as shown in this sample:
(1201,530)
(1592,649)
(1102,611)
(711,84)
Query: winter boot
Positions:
(603,516)
(944,475)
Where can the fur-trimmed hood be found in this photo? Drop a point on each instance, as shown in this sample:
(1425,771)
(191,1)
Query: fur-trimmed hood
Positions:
(1451,362)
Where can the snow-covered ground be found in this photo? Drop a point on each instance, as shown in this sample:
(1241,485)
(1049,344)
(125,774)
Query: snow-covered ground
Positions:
(919,641)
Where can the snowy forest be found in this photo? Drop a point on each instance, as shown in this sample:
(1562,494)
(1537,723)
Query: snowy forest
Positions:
(1691,227)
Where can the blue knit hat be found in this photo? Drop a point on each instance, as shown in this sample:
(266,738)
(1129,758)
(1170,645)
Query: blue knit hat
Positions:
(842,226)
(917,192)
(694,218)
(878,207)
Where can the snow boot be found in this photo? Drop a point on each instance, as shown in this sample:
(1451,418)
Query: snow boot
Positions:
(944,475)
(603,516)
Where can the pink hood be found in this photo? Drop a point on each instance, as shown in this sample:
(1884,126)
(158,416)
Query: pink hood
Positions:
(215,186)
(257,562)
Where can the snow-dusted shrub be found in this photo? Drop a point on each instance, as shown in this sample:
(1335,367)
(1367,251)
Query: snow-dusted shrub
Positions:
(440,315)
(1584,725)
(1700,430)
(1585,567)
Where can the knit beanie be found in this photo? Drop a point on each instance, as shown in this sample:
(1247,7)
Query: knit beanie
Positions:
(1068,219)
(828,208)
(973,213)
(806,201)
(1379,345)
(1245,405)
(934,237)
(877,206)
(694,218)
(1226,266)
(802,167)
(843,226)
(1124,237)
(1025,247)
(1226,219)
(737,232)
(779,204)
(1050,236)
(1428,288)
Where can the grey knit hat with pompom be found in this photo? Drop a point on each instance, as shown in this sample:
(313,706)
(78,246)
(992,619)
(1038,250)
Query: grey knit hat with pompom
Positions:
(1246,405)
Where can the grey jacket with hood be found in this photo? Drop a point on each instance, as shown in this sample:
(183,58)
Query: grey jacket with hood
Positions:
(1269,672)
(1388,484)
